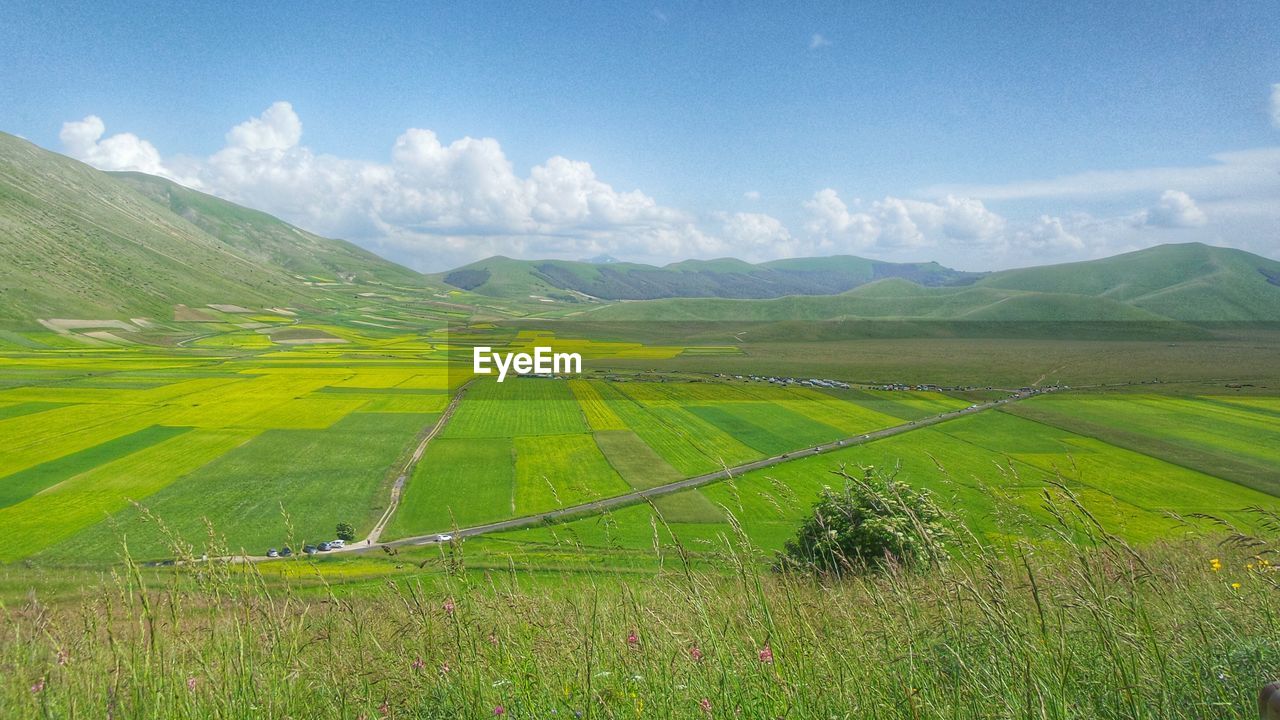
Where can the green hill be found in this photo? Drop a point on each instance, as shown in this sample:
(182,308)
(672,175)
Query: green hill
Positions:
(503,277)
(83,244)
(1190,281)
(269,240)
(1186,283)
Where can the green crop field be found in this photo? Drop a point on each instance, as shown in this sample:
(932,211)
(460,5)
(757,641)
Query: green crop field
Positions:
(647,432)
(1232,437)
(147,446)
(990,469)
(272,445)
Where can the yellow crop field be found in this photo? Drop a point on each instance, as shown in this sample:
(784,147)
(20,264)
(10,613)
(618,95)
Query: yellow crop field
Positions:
(64,509)
(597,411)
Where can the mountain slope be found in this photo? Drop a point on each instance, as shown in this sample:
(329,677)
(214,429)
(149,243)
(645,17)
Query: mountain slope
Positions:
(727,278)
(1188,281)
(269,240)
(79,243)
(1185,283)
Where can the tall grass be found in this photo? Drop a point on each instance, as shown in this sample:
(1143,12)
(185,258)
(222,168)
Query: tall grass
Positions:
(1089,629)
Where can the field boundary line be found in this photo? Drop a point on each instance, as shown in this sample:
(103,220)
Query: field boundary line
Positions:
(639,496)
(397,487)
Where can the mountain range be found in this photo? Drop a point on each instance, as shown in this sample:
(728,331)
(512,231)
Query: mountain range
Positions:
(76,242)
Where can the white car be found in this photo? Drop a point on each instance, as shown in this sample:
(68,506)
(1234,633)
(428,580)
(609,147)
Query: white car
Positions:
(337,543)
(443,538)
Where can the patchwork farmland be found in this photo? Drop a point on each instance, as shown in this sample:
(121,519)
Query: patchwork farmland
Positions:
(256,449)
(112,446)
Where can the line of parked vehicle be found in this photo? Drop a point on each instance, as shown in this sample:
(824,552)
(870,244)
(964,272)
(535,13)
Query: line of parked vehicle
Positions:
(307,549)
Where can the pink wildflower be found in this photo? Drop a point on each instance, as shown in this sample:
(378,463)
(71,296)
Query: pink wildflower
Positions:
(444,668)
(384,708)
(448,606)
(499,710)
(38,687)
(191,683)
(418,664)
(705,705)
(632,639)
(766,654)
(695,654)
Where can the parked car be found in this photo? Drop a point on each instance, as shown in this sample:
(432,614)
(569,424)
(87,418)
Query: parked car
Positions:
(444,538)
(273,553)
(286,551)
(324,547)
(335,544)
(309,549)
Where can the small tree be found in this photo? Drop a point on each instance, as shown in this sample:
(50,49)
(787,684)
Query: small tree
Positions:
(874,523)
(346,533)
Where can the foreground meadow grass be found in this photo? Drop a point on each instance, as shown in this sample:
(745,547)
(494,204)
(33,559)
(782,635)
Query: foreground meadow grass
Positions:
(1091,629)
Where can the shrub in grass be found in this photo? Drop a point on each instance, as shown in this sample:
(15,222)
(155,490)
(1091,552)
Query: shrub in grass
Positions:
(345,532)
(873,523)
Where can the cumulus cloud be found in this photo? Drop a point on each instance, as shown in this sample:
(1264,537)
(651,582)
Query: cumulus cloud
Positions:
(278,128)
(435,203)
(818,41)
(1175,209)
(964,232)
(83,140)
(898,223)
(756,236)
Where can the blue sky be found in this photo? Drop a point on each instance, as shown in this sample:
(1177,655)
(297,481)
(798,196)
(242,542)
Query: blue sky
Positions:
(758,130)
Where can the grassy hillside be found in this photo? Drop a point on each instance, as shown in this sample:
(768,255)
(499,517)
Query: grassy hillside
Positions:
(75,242)
(1192,282)
(727,278)
(268,240)
(82,244)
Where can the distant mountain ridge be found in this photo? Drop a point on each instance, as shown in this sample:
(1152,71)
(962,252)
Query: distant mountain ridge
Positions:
(724,278)
(1188,282)
(78,243)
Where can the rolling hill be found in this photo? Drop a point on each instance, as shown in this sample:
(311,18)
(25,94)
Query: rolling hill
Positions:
(76,242)
(1187,283)
(270,241)
(503,277)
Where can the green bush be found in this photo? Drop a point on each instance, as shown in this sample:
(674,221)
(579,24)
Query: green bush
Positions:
(875,522)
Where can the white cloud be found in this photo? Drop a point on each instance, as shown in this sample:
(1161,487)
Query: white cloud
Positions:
(434,204)
(1047,233)
(895,224)
(278,128)
(818,41)
(756,236)
(125,151)
(1232,173)
(1275,105)
(1175,209)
